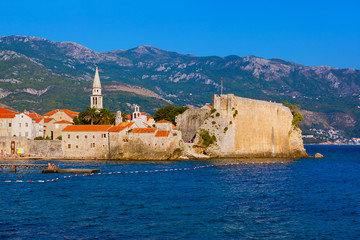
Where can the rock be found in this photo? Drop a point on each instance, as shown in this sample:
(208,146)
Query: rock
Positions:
(318,155)
(189,122)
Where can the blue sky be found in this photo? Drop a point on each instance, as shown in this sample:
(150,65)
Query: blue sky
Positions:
(306,32)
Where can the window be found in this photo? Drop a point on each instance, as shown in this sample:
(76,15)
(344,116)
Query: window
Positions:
(85,136)
(69,136)
(92,145)
(69,145)
(93,136)
(26,125)
(77,136)
(9,124)
(104,135)
(77,146)
(19,124)
(26,134)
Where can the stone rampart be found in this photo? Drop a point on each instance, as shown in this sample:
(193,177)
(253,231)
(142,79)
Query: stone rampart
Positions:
(147,147)
(44,148)
(251,128)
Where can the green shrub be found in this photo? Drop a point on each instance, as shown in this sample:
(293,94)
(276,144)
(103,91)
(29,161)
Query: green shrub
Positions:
(207,139)
(297,117)
(59,137)
(213,122)
(47,138)
(236,113)
(218,114)
(39,138)
(225,129)
(213,110)
(230,122)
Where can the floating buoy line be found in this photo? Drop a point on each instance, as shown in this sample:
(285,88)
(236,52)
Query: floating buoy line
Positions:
(136,172)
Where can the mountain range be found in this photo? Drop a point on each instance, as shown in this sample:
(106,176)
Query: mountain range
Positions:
(40,75)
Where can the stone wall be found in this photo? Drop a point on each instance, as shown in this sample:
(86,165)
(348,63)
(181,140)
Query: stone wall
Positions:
(146,146)
(44,148)
(189,122)
(251,128)
(20,142)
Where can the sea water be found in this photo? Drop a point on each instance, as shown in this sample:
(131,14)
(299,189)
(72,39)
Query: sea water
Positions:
(268,199)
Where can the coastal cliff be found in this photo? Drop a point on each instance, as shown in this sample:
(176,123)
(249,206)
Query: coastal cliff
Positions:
(242,127)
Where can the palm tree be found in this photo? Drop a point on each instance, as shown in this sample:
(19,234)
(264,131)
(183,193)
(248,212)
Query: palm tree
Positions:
(92,115)
(106,116)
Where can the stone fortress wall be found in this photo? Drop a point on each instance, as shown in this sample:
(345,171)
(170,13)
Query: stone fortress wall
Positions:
(43,148)
(252,128)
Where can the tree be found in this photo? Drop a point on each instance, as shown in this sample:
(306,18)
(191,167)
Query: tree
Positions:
(294,108)
(106,117)
(91,115)
(169,113)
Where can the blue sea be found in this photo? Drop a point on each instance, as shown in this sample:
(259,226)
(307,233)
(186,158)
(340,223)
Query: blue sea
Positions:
(216,199)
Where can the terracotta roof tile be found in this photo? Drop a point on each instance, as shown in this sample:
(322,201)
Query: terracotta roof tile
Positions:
(162,133)
(46,120)
(87,128)
(144,130)
(63,121)
(120,127)
(38,119)
(148,118)
(33,115)
(66,111)
(163,121)
(209,106)
(4,110)
(7,115)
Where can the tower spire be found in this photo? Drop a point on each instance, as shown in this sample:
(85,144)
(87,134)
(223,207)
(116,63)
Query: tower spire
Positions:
(96,100)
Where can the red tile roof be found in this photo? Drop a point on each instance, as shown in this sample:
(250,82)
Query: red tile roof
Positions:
(66,111)
(121,127)
(46,120)
(87,128)
(148,118)
(38,119)
(63,121)
(209,106)
(128,116)
(34,115)
(7,115)
(173,126)
(162,133)
(144,130)
(4,110)
(163,121)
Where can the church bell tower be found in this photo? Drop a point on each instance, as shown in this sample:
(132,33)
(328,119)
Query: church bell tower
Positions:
(96,99)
